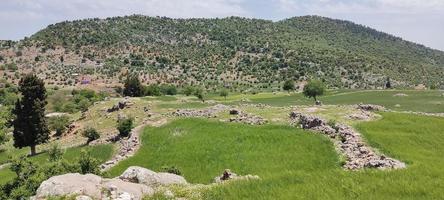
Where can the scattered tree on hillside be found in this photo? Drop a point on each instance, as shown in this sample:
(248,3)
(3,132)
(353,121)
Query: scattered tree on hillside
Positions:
(388,84)
(224,93)
(313,89)
(288,85)
(132,86)
(30,128)
(189,90)
(58,124)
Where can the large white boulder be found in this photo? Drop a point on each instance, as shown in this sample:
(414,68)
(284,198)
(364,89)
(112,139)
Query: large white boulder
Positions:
(151,178)
(88,184)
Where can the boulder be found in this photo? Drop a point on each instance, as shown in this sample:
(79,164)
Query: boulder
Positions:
(119,188)
(151,178)
(69,184)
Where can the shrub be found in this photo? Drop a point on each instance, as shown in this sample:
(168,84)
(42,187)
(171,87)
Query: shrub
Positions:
(58,124)
(91,134)
(55,153)
(189,90)
(87,163)
(124,126)
(168,89)
(172,170)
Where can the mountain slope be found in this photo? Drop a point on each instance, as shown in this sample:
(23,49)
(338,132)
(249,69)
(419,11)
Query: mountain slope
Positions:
(237,52)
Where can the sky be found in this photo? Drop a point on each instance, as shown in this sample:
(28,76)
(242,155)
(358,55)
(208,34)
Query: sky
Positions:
(420,21)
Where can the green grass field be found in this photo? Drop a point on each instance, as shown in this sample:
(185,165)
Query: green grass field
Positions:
(419,101)
(295,164)
(101,152)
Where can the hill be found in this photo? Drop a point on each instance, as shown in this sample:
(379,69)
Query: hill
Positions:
(235,52)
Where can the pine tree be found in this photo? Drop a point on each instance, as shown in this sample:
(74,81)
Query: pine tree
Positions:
(30,128)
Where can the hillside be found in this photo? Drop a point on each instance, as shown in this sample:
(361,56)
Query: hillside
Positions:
(237,52)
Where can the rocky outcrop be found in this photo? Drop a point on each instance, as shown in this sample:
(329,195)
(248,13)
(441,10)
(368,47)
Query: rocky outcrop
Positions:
(151,178)
(349,143)
(134,184)
(120,105)
(370,107)
(210,112)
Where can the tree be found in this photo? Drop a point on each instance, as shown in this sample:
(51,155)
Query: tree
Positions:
(288,85)
(30,128)
(91,134)
(58,124)
(132,87)
(124,126)
(313,89)
(199,94)
(224,93)
(189,90)
(388,84)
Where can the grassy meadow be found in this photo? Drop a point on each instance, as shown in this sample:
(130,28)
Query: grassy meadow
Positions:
(296,164)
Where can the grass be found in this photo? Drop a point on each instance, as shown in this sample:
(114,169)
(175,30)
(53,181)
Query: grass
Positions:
(100,152)
(420,101)
(294,164)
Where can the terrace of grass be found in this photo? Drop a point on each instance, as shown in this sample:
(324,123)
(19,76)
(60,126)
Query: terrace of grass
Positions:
(295,164)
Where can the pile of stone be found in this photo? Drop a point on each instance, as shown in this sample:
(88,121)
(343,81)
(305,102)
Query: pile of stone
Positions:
(120,105)
(349,143)
(228,175)
(246,118)
(400,95)
(134,183)
(210,112)
(370,107)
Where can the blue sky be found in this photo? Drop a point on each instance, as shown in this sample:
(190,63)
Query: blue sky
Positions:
(421,21)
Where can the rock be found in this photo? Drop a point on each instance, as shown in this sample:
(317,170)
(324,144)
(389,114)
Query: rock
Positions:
(400,95)
(83,197)
(234,112)
(120,189)
(151,178)
(370,107)
(210,112)
(68,184)
(228,175)
(121,105)
(318,103)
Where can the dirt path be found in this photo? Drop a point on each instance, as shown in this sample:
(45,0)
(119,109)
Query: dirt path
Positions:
(128,147)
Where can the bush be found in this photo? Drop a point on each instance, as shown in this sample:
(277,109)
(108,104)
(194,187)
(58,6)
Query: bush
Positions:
(124,126)
(58,124)
(168,89)
(151,90)
(91,134)
(87,163)
(189,90)
(172,170)
(55,153)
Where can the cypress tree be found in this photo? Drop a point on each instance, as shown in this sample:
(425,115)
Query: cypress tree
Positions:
(30,128)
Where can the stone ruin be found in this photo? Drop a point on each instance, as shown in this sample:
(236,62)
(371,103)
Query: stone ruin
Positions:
(348,142)
(210,112)
(246,118)
(370,107)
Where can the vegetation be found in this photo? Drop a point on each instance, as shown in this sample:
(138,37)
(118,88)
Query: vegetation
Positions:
(313,89)
(91,134)
(30,128)
(224,93)
(288,85)
(58,124)
(132,87)
(124,126)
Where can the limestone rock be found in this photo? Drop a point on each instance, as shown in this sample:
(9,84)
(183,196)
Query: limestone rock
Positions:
(89,185)
(151,178)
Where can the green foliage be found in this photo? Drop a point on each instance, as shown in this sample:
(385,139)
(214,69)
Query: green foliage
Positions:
(288,85)
(91,134)
(223,93)
(152,90)
(87,163)
(58,124)
(199,93)
(30,128)
(168,89)
(188,90)
(313,89)
(132,86)
(124,126)
(55,153)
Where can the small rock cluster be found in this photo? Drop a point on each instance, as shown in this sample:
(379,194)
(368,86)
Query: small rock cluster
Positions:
(370,107)
(120,105)
(133,184)
(349,143)
(246,118)
(210,112)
